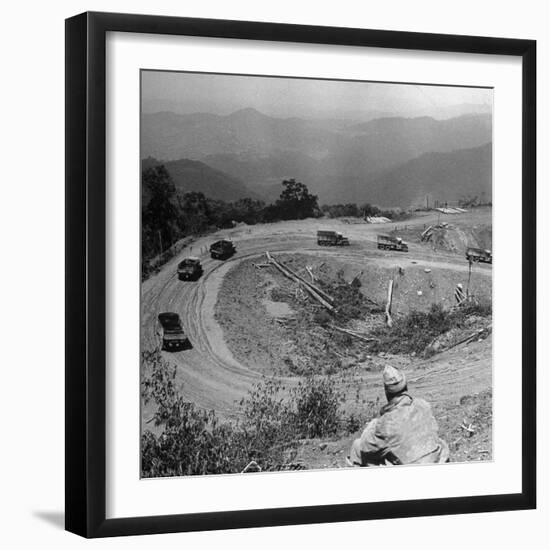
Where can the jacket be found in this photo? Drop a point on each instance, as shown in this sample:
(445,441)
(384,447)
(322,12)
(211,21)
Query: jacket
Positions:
(404,433)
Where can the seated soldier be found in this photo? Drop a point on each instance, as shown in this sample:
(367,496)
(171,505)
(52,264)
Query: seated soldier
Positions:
(404,433)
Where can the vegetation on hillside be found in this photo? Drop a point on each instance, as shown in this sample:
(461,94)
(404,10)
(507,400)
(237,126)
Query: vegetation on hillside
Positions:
(352,210)
(416,331)
(273,420)
(169,216)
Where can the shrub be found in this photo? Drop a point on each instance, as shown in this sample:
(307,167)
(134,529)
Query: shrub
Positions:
(352,304)
(317,408)
(477,306)
(268,422)
(194,441)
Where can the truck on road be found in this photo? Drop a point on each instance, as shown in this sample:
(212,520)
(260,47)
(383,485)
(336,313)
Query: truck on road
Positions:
(171,334)
(331,238)
(387,242)
(189,269)
(221,250)
(479,255)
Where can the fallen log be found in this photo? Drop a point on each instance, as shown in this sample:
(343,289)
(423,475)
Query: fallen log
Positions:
(476,334)
(312,286)
(482,332)
(292,277)
(354,334)
(304,281)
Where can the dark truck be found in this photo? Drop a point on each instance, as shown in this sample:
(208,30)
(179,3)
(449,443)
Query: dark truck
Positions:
(479,255)
(221,250)
(387,242)
(189,269)
(171,333)
(331,238)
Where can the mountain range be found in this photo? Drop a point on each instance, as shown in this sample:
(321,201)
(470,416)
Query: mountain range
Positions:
(340,160)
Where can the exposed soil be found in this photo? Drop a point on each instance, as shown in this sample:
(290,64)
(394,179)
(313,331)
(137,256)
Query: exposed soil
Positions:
(272,326)
(456,232)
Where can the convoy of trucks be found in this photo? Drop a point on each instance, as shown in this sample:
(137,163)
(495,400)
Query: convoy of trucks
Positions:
(169,327)
(479,255)
(331,238)
(387,242)
(171,331)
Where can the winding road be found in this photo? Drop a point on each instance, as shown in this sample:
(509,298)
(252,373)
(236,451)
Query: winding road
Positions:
(209,375)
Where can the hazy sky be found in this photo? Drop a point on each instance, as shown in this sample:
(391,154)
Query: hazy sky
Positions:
(289,97)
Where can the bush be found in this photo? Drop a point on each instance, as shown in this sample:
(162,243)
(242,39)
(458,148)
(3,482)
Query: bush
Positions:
(477,306)
(352,304)
(268,422)
(194,441)
(317,408)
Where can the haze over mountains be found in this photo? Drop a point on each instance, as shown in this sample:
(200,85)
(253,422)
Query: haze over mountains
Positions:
(389,161)
(192,175)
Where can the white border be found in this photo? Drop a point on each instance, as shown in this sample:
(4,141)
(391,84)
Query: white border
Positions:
(127,495)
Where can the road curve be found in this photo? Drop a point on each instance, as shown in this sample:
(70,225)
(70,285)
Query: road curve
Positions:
(208,375)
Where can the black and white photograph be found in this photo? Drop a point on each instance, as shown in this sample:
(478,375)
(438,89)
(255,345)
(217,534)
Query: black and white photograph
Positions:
(274,275)
(316,274)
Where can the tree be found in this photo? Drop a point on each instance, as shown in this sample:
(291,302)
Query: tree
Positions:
(248,210)
(296,202)
(369,210)
(195,212)
(342,210)
(160,213)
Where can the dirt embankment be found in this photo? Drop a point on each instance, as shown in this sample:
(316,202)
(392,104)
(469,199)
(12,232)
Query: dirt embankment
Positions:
(453,234)
(273,327)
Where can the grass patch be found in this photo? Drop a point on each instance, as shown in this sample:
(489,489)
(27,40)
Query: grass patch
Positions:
(475,410)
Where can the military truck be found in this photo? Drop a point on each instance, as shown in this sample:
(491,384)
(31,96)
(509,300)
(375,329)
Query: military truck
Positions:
(189,269)
(221,250)
(479,255)
(387,242)
(171,334)
(331,238)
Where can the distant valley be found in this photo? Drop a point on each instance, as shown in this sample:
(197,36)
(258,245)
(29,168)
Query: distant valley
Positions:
(389,161)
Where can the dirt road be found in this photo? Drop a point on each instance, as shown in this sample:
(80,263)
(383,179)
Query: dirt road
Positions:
(212,378)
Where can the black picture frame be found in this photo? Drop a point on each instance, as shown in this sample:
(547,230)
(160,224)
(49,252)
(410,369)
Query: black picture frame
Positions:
(86,276)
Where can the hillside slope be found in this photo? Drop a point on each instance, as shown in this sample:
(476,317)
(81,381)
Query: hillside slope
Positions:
(191,175)
(442,176)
